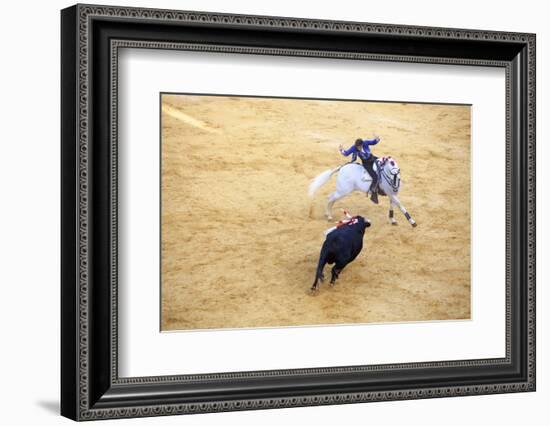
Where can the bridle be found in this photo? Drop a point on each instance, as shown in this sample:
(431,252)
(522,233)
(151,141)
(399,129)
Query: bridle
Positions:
(393,178)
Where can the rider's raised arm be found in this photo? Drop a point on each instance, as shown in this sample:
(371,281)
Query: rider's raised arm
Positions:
(349,151)
(371,141)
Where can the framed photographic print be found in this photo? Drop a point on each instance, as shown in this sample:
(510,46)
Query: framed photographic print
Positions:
(263,212)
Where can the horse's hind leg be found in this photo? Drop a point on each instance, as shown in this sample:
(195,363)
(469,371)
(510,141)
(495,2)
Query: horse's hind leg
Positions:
(332,198)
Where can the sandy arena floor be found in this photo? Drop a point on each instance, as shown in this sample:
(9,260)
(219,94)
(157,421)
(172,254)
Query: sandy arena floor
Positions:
(241,238)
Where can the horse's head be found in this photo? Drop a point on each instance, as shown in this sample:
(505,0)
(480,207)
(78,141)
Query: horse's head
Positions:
(391,172)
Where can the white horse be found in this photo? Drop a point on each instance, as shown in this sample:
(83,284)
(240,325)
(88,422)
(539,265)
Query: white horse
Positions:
(354,177)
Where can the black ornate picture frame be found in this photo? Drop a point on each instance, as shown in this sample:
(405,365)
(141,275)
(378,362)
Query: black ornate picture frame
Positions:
(91,387)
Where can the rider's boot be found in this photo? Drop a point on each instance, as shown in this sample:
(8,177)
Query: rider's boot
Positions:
(374,197)
(374,192)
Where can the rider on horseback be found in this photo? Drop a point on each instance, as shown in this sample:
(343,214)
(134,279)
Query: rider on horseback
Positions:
(361,149)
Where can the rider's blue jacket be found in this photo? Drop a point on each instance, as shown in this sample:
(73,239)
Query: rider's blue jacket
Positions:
(364,153)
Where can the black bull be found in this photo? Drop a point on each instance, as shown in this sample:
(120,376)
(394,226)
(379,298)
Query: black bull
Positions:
(341,247)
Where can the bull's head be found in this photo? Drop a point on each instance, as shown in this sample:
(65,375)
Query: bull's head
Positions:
(349,220)
(363,223)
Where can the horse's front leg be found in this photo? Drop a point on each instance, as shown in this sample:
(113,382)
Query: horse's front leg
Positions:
(390,213)
(395,200)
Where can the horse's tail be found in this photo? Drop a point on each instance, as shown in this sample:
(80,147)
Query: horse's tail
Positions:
(320,180)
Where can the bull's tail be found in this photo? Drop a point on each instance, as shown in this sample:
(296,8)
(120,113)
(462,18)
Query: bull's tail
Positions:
(320,266)
(320,180)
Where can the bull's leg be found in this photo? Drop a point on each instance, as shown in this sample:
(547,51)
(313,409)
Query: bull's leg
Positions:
(315,285)
(396,201)
(318,279)
(336,270)
(390,214)
(334,275)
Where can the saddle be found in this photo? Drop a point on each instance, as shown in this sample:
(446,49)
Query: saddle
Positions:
(377,166)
